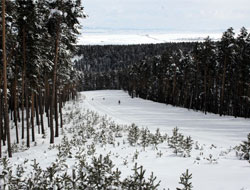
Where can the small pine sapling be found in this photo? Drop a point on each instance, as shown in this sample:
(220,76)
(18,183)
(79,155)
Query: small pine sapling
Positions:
(212,160)
(100,175)
(245,148)
(157,138)
(175,141)
(145,138)
(185,181)
(187,146)
(138,181)
(133,135)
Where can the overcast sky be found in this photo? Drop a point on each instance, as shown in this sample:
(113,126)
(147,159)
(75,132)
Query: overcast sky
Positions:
(166,15)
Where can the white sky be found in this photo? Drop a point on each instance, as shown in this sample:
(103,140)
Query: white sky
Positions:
(166,15)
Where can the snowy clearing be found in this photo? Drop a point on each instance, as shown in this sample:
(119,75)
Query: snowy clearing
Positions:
(223,132)
(212,162)
(209,129)
(142,38)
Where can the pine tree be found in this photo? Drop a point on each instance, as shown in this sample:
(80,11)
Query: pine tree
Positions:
(63,27)
(206,57)
(187,145)
(6,115)
(133,134)
(175,141)
(144,140)
(185,181)
(242,97)
(30,54)
(245,148)
(226,53)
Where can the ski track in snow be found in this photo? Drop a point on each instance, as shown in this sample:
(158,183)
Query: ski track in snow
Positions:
(207,129)
(229,173)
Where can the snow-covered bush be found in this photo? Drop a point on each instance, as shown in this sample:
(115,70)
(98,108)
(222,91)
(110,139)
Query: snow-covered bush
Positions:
(138,180)
(244,149)
(133,134)
(180,144)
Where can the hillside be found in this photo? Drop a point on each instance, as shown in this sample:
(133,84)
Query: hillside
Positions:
(99,136)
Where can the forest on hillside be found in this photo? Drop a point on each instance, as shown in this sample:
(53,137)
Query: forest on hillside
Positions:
(37,44)
(208,76)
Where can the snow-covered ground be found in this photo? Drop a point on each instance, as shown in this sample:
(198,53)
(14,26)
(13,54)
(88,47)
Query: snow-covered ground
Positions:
(223,132)
(208,129)
(213,161)
(129,38)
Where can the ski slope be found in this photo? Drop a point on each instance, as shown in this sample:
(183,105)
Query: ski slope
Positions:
(216,134)
(208,129)
(213,161)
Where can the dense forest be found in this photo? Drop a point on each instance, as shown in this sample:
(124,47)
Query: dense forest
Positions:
(37,45)
(208,76)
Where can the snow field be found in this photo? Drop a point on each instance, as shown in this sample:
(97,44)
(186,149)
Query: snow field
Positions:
(213,161)
(131,38)
(223,131)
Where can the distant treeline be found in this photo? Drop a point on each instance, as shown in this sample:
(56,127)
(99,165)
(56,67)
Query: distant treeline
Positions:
(207,76)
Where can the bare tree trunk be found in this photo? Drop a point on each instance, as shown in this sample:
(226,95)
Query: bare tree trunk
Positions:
(223,87)
(18,114)
(32,116)
(191,99)
(60,108)
(205,91)
(1,121)
(15,107)
(1,124)
(23,79)
(54,85)
(56,116)
(174,87)
(41,111)
(37,114)
(6,115)
(27,116)
(46,96)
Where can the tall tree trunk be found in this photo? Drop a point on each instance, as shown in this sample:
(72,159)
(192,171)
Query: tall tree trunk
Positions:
(32,116)
(37,113)
(60,108)
(1,124)
(27,116)
(1,121)
(23,79)
(56,116)
(46,96)
(174,88)
(41,110)
(54,84)
(18,114)
(15,107)
(6,115)
(205,91)
(223,86)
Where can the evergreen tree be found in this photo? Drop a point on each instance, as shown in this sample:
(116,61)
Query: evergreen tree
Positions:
(245,148)
(175,141)
(30,60)
(226,59)
(185,181)
(5,105)
(63,27)
(133,134)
